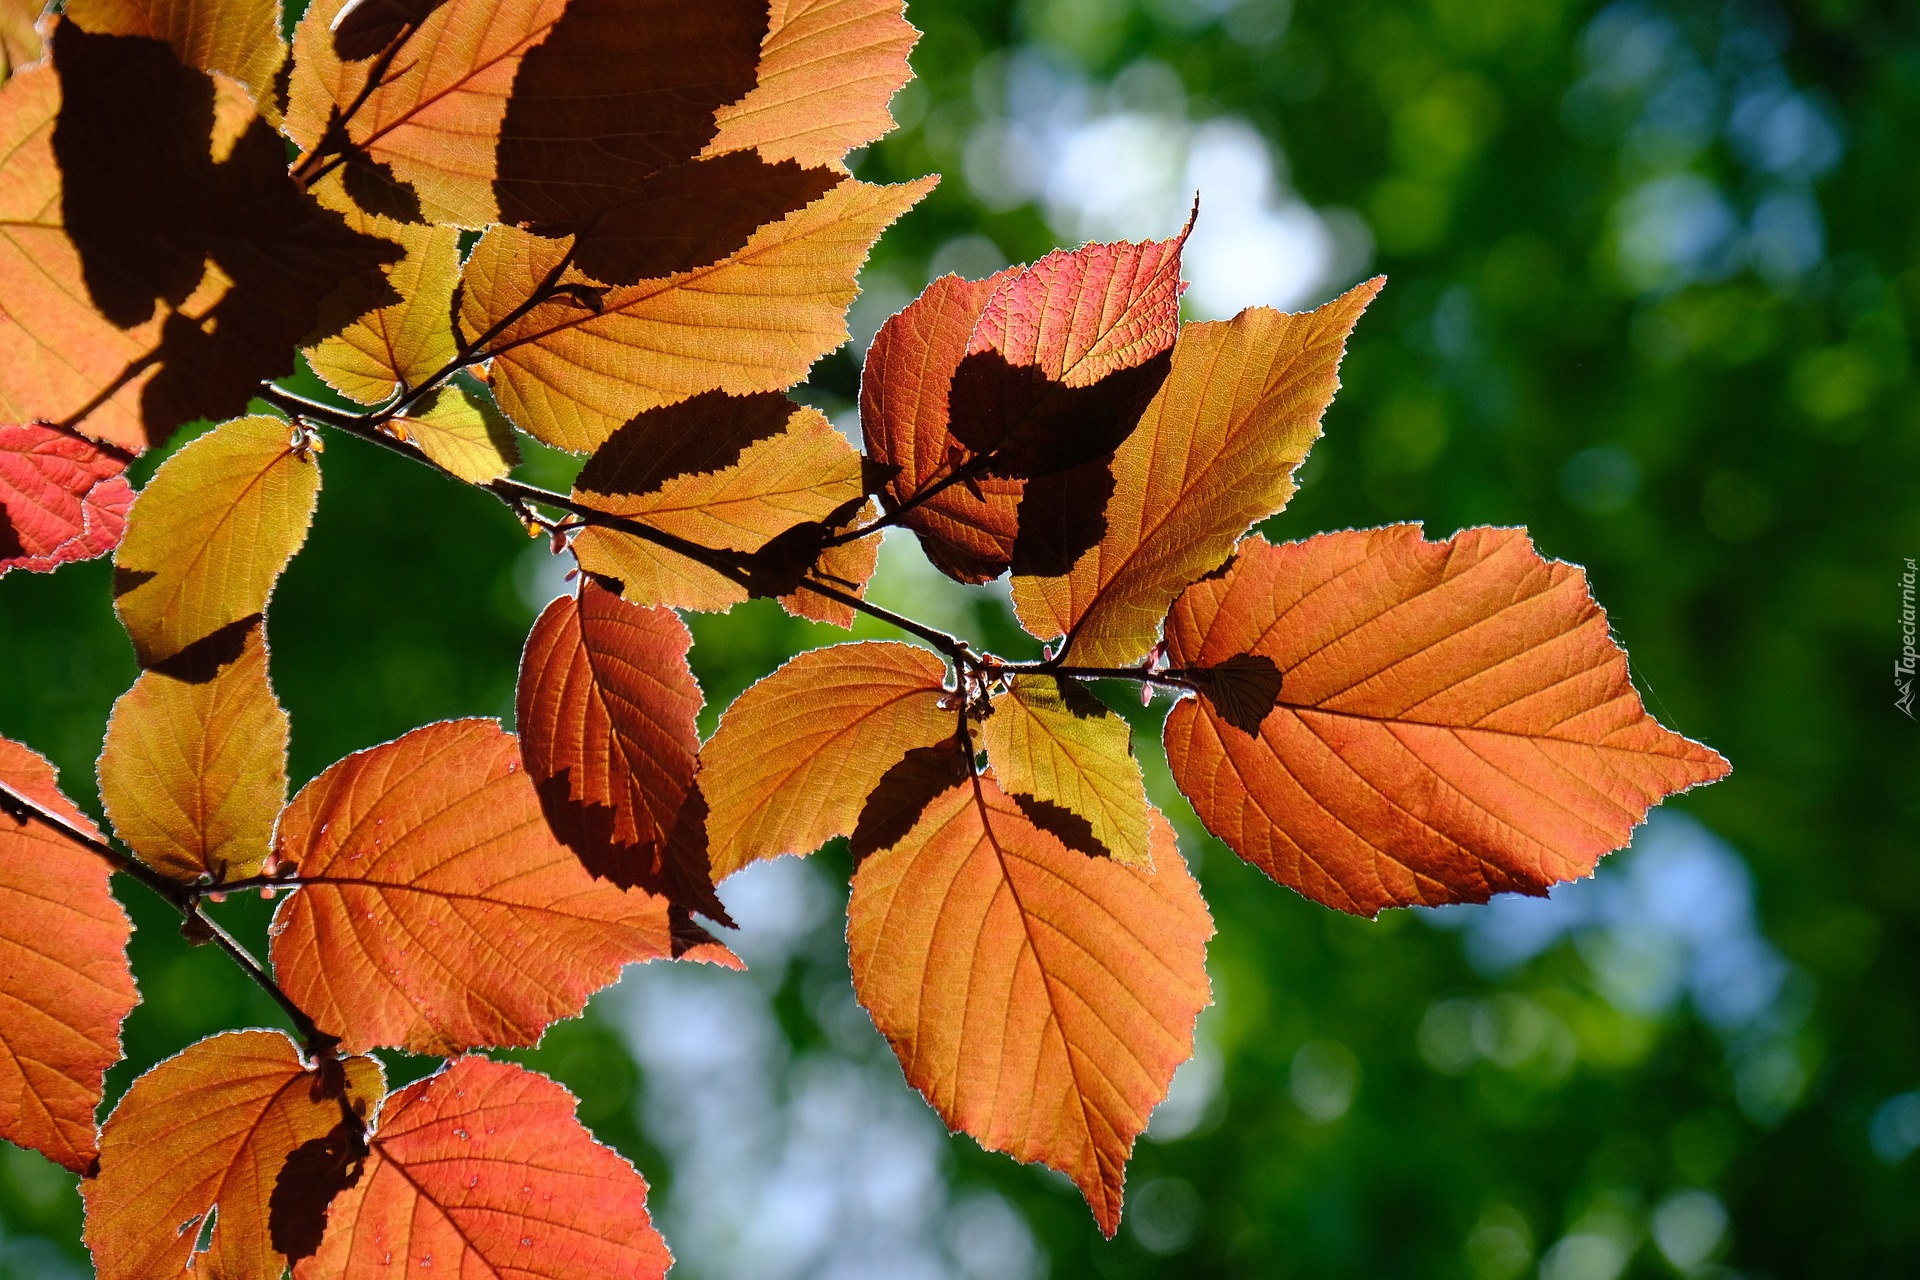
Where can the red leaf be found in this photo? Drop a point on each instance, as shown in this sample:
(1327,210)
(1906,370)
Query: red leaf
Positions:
(482,1170)
(64,984)
(1453,720)
(436,912)
(606,712)
(62,498)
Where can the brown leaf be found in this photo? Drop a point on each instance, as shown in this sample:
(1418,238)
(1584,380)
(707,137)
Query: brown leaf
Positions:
(1214,453)
(436,911)
(66,985)
(209,1131)
(1454,722)
(1040,999)
(795,756)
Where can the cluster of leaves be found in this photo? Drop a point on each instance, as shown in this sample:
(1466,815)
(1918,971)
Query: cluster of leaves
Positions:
(668,239)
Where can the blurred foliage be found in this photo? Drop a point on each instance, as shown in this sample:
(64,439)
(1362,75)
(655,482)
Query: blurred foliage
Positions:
(1608,318)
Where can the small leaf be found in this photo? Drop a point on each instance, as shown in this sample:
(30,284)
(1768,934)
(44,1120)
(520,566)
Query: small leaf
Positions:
(848,566)
(62,498)
(209,1131)
(237,38)
(795,755)
(606,713)
(1214,453)
(192,775)
(1243,689)
(1050,740)
(483,1170)
(407,343)
(20,43)
(459,428)
(1455,720)
(1040,999)
(775,467)
(755,321)
(65,984)
(435,911)
(208,537)
(828,70)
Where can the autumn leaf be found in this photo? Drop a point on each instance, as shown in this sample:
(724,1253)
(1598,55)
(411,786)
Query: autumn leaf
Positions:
(967,531)
(405,344)
(459,428)
(828,70)
(1067,761)
(1454,720)
(192,775)
(203,1139)
(482,1169)
(62,498)
(572,371)
(846,566)
(20,43)
(236,38)
(606,713)
(795,756)
(65,984)
(435,911)
(156,261)
(730,473)
(206,540)
(1040,999)
(1214,454)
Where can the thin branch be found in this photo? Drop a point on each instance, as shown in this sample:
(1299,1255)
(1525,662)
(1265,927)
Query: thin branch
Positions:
(971,470)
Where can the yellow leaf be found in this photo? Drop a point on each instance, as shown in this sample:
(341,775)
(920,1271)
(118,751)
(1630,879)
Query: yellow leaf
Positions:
(796,755)
(405,344)
(1214,453)
(570,372)
(20,42)
(193,775)
(1060,746)
(237,38)
(460,429)
(828,69)
(207,538)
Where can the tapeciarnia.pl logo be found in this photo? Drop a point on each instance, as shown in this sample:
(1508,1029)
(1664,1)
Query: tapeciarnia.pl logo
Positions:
(1903,666)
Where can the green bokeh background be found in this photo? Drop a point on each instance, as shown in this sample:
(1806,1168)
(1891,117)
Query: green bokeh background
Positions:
(1748,552)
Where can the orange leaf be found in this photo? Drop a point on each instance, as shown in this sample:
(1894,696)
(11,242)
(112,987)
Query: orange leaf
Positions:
(65,984)
(206,540)
(606,712)
(436,911)
(848,566)
(210,1130)
(156,261)
(237,38)
(1213,454)
(828,70)
(193,774)
(796,755)
(571,372)
(1039,998)
(966,531)
(61,498)
(483,1170)
(728,472)
(1453,719)
(411,340)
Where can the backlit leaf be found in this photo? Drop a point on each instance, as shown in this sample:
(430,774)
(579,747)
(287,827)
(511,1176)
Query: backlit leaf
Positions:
(571,373)
(727,472)
(436,911)
(606,712)
(209,1131)
(1454,720)
(206,540)
(1051,740)
(156,261)
(1214,454)
(967,531)
(405,344)
(62,498)
(848,566)
(65,984)
(460,429)
(828,70)
(795,756)
(193,774)
(1040,999)
(237,38)
(483,1170)
(20,42)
